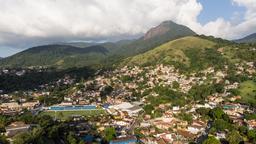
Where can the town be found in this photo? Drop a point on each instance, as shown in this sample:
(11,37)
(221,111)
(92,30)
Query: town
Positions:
(150,105)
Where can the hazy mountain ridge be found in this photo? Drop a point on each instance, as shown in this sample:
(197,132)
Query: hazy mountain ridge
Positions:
(80,54)
(248,39)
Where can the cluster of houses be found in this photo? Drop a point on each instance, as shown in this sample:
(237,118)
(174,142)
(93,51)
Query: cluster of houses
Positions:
(21,71)
(170,129)
(12,108)
(125,110)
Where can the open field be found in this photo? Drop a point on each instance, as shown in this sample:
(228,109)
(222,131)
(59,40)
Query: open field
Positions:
(248,92)
(64,115)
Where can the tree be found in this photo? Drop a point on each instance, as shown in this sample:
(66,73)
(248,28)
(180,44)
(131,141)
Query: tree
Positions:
(243,129)
(109,133)
(219,87)
(148,109)
(175,85)
(71,138)
(186,117)
(37,135)
(216,113)
(3,140)
(203,111)
(45,121)
(234,137)
(251,134)
(106,91)
(54,131)
(23,138)
(211,140)
(221,125)
(27,117)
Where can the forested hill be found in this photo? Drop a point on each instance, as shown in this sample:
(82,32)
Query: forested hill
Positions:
(57,56)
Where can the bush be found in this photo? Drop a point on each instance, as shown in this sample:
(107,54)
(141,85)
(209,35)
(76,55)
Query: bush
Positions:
(211,140)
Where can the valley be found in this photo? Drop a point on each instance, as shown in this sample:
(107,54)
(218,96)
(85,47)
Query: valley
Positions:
(191,89)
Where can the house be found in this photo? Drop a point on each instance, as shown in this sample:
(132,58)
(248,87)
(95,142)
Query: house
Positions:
(161,141)
(220,135)
(168,137)
(11,106)
(145,124)
(30,105)
(16,128)
(251,124)
(148,140)
(184,134)
(234,98)
(66,103)
(196,127)
(124,140)
(176,108)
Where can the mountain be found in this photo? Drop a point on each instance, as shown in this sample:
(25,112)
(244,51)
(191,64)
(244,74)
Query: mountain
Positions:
(156,36)
(248,39)
(61,56)
(79,54)
(167,30)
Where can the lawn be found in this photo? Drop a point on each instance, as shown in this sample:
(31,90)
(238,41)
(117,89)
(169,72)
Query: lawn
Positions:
(247,90)
(64,115)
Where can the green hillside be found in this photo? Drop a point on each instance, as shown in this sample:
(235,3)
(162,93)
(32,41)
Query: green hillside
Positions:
(173,51)
(195,53)
(247,91)
(60,56)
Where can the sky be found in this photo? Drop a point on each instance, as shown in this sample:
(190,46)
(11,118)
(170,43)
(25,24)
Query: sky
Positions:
(27,23)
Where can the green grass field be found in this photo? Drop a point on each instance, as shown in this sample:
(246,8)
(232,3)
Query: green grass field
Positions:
(248,92)
(64,115)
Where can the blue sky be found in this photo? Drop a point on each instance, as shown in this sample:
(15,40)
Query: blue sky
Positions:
(28,23)
(213,9)
(4,51)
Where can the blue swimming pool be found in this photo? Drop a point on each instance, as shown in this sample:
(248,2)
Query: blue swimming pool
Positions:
(72,108)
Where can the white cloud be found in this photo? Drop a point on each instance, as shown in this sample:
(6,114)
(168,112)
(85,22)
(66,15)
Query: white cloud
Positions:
(87,19)
(227,29)
(24,23)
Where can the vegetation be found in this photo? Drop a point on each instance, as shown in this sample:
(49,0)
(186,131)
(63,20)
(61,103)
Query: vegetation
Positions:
(33,79)
(248,92)
(234,137)
(170,52)
(200,92)
(109,133)
(211,140)
(186,117)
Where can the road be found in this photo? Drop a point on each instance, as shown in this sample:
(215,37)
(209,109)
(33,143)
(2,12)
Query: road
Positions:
(136,122)
(204,136)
